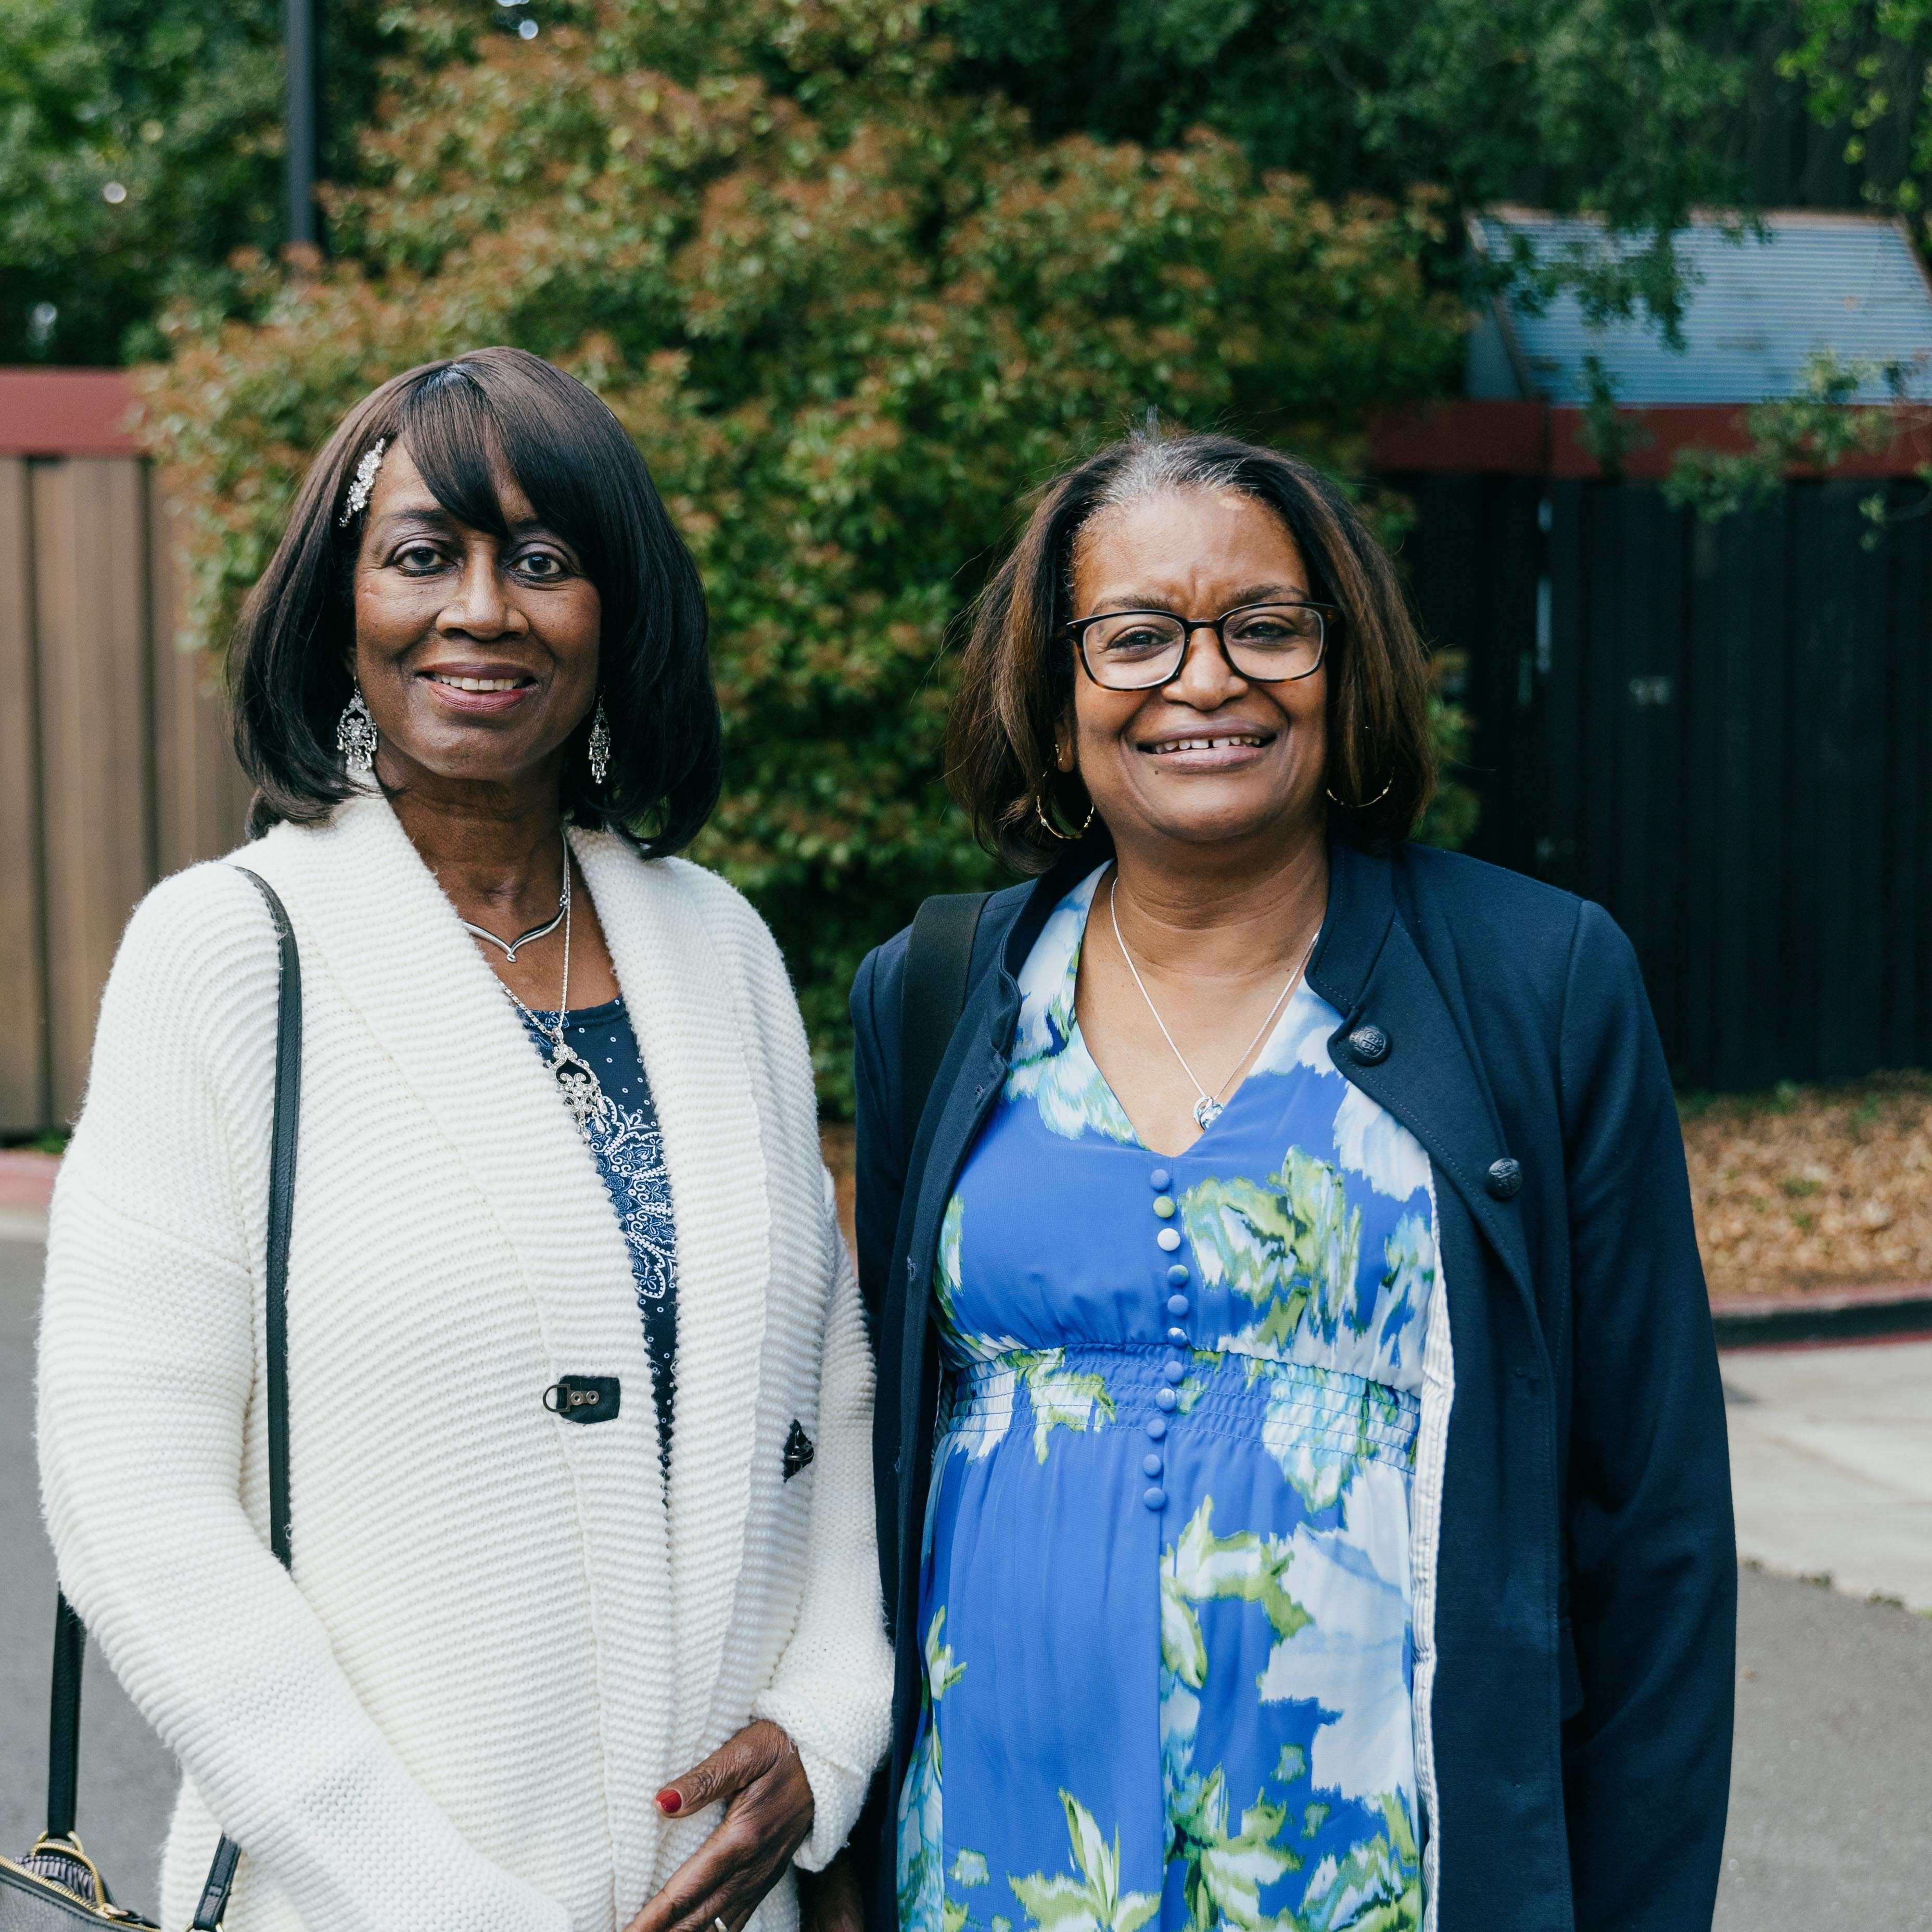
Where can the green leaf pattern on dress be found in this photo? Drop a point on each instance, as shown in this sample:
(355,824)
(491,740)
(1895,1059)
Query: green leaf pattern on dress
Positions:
(1290,1245)
(1377,1887)
(1224,1868)
(1091,1900)
(1061,1397)
(922,1840)
(1050,1064)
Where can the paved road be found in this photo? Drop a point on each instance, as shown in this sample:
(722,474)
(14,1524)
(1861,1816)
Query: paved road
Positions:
(127,1778)
(1831,1800)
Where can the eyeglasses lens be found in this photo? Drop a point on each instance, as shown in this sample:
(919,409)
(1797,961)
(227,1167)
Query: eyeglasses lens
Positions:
(1136,650)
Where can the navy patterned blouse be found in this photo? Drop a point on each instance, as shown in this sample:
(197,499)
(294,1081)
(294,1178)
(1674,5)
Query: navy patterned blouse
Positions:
(627,1146)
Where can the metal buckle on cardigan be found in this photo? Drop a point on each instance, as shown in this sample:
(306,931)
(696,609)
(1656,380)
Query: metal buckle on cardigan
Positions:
(584,1399)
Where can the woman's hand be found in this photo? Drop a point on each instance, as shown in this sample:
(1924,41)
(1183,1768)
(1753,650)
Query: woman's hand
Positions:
(829,1900)
(768,1816)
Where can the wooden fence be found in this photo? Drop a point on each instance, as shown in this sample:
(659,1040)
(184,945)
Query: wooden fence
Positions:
(115,764)
(1723,732)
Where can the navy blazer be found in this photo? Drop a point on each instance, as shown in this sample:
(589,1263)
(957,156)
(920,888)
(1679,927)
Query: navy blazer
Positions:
(1587,1586)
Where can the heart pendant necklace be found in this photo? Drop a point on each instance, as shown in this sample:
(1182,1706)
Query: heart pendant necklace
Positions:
(1210,1107)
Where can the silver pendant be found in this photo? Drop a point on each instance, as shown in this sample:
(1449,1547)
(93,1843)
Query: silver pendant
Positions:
(1207,1111)
(590,1107)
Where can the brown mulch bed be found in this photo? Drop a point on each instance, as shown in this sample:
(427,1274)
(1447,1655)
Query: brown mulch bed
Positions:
(837,1138)
(1813,1189)
(1801,1190)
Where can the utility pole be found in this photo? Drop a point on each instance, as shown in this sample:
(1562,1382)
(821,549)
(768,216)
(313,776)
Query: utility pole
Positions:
(302,35)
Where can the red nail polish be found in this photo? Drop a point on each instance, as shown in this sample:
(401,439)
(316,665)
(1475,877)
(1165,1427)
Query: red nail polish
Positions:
(669,1801)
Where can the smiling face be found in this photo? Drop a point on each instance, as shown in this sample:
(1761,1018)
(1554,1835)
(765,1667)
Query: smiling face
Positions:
(1211,758)
(478,657)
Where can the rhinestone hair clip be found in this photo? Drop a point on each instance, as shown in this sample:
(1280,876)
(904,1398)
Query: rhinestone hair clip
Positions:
(364,481)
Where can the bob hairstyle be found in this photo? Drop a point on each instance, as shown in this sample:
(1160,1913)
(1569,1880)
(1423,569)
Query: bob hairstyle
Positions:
(464,421)
(1016,681)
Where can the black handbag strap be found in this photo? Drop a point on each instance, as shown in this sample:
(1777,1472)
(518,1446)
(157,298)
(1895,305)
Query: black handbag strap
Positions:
(282,1139)
(63,1733)
(70,1637)
(938,969)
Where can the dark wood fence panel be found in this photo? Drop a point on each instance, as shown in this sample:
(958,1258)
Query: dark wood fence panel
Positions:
(1475,543)
(1721,732)
(115,764)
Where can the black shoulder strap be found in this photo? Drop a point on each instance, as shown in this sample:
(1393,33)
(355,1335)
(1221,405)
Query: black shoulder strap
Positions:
(938,966)
(64,1732)
(64,1742)
(282,1135)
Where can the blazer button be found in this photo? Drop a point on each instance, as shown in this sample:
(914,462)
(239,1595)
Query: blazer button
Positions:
(1369,1044)
(1505,1178)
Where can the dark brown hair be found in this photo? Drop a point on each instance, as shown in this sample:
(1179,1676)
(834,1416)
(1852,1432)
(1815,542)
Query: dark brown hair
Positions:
(462,420)
(1016,680)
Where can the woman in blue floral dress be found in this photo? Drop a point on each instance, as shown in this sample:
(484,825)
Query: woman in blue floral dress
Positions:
(1303,1495)
(1172,1496)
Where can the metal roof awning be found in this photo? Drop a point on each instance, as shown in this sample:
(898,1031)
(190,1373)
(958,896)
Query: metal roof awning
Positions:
(1756,309)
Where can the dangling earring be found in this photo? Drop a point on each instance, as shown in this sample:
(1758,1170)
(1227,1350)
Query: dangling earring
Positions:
(1047,824)
(600,745)
(1367,802)
(355,735)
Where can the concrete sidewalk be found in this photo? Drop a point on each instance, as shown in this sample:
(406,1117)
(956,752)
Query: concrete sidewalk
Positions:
(1831,1465)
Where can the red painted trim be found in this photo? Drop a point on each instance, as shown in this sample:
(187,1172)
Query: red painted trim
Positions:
(1466,438)
(27,1177)
(85,412)
(65,412)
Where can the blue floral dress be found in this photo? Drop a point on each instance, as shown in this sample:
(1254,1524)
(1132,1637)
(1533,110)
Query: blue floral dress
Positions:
(1164,1603)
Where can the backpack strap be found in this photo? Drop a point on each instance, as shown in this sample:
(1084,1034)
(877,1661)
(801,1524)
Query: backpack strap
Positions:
(938,967)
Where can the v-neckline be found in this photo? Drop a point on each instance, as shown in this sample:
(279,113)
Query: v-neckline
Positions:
(1076,1036)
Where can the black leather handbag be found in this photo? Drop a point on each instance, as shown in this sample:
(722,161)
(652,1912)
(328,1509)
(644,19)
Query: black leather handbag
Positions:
(57,1887)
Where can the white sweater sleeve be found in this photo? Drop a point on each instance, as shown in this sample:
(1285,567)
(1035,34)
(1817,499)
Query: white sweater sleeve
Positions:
(147,1371)
(833,1691)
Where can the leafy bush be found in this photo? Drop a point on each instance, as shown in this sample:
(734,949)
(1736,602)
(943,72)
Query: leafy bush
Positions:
(852,318)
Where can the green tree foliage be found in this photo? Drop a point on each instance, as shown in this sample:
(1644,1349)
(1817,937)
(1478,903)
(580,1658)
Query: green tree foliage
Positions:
(1634,109)
(1631,110)
(141,145)
(852,316)
(1866,66)
(1813,431)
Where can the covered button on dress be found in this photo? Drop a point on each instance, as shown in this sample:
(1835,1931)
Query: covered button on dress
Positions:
(1164,1596)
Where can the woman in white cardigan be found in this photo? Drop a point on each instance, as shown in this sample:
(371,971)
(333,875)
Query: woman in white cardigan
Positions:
(519,1661)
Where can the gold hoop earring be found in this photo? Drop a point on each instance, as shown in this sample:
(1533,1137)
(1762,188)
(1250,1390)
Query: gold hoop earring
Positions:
(1047,825)
(1366,802)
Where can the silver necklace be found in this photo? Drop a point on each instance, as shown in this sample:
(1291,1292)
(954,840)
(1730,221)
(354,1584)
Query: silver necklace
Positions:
(592,1109)
(510,948)
(1210,1107)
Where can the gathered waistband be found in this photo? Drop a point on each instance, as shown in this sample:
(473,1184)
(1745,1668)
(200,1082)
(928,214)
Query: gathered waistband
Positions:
(1092,1386)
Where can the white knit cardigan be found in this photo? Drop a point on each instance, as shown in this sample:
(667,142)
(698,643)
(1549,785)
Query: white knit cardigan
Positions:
(502,1635)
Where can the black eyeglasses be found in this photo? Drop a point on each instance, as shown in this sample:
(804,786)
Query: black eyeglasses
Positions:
(1135,650)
